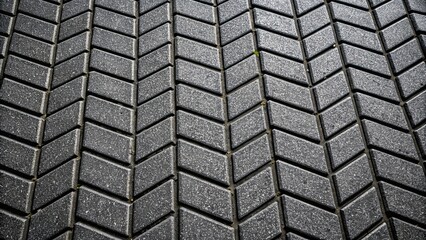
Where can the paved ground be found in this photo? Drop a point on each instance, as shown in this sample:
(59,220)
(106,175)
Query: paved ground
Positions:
(212,119)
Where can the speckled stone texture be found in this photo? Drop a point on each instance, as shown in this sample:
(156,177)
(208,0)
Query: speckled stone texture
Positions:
(212,119)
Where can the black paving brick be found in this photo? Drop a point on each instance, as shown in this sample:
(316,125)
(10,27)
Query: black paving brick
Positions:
(154,84)
(241,72)
(345,146)
(338,117)
(155,110)
(197,10)
(238,50)
(235,28)
(281,6)
(406,230)
(83,231)
(35,27)
(163,230)
(21,124)
(75,25)
(34,99)
(66,94)
(154,205)
(232,8)
(287,69)
(357,36)
(205,196)
(244,98)
(6,24)
(75,7)
(58,151)
(114,42)
(418,21)
(70,69)
(389,12)
(318,42)
(18,156)
(248,126)
(195,29)
(352,15)
(28,71)
(197,51)
(250,157)
(416,5)
(154,18)
(113,64)
(421,137)
(305,184)
(195,226)
(412,80)
(13,227)
(365,59)
(103,210)
(73,46)
(299,151)
(105,175)
(41,9)
(325,65)
(146,5)
(279,44)
(121,6)
(314,20)
(16,192)
(115,22)
(64,120)
(155,169)
(405,55)
(397,33)
(155,38)
(265,224)
(107,142)
(55,183)
(302,6)
(32,48)
(111,88)
(154,61)
(276,22)
(9,6)
(381,232)
(199,76)
(155,137)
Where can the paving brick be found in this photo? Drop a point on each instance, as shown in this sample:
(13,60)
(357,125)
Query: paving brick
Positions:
(198,52)
(244,98)
(203,161)
(154,205)
(154,18)
(358,36)
(357,3)
(389,12)
(362,213)
(197,10)
(107,142)
(162,231)
(251,157)
(18,156)
(195,226)
(412,80)
(248,127)
(73,46)
(398,170)
(380,110)
(53,219)
(406,230)
(352,15)
(114,42)
(155,110)
(115,22)
(284,68)
(64,236)
(421,138)
(147,5)
(121,6)
(390,139)
(265,224)
(64,120)
(9,6)
(338,117)
(397,33)
(13,92)
(28,71)
(83,231)
(365,59)
(58,151)
(345,146)
(32,48)
(201,130)
(418,21)
(200,102)
(318,42)
(155,169)
(13,227)
(75,7)
(325,65)
(276,22)
(104,211)
(205,196)
(293,120)
(198,76)
(155,38)
(352,178)
(66,94)
(299,151)
(155,137)
(75,25)
(154,61)
(21,124)
(402,202)
(36,28)
(70,69)
(309,219)
(154,84)
(235,28)
(302,6)
(241,72)
(105,175)
(292,236)
(287,92)
(55,183)
(404,56)
(238,50)
(279,44)
(305,184)
(112,88)
(16,192)
(113,64)
(314,20)
(373,84)
(281,6)
(331,90)
(231,8)
(41,9)
(416,5)
(6,24)
(381,232)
